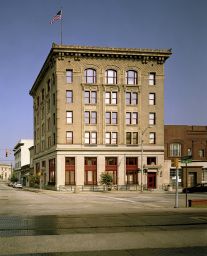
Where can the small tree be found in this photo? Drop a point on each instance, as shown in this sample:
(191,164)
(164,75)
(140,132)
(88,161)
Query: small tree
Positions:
(106,179)
(14,178)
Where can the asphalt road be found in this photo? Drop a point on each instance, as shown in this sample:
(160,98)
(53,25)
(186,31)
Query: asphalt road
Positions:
(115,223)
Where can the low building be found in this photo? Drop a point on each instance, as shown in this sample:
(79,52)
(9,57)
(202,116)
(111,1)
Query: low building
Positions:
(5,171)
(22,159)
(185,141)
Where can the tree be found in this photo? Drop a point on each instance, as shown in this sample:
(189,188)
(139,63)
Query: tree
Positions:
(106,179)
(14,178)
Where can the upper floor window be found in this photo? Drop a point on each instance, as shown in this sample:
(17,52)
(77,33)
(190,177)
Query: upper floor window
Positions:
(152,118)
(69,117)
(69,96)
(90,97)
(111,117)
(111,97)
(69,137)
(111,76)
(175,149)
(201,153)
(90,137)
(131,118)
(90,117)
(132,138)
(90,76)
(111,138)
(152,78)
(48,86)
(69,76)
(152,138)
(131,77)
(131,98)
(152,99)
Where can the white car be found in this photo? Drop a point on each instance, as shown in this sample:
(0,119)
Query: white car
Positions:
(17,185)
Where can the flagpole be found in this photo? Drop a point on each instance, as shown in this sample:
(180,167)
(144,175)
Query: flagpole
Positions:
(61,28)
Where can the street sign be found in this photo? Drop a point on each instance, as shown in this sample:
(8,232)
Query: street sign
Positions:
(186,159)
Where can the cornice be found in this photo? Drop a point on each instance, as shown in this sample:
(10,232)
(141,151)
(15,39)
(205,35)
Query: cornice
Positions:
(77,52)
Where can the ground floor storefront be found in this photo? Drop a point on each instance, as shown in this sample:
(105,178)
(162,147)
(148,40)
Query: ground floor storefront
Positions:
(66,169)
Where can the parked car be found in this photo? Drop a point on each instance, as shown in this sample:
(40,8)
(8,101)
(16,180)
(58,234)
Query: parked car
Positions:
(10,184)
(17,185)
(201,187)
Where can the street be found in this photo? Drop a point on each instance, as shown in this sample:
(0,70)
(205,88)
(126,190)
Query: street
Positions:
(98,223)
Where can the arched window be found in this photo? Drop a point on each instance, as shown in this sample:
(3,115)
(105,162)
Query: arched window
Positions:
(90,76)
(175,149)
(131,77)
(111,76)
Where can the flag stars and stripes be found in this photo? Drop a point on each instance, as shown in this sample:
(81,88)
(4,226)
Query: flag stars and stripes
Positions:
(57,17)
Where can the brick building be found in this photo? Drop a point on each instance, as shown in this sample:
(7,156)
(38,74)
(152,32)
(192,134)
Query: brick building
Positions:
(185,140)
(100,109)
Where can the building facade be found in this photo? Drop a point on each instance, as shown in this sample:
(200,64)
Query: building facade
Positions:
(5,171)
(100,110)
(186,140)
(22,159)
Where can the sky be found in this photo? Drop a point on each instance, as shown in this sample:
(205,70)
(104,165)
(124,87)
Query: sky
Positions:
(26,38)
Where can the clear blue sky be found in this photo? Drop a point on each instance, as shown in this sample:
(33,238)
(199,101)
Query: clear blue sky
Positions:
(26,38)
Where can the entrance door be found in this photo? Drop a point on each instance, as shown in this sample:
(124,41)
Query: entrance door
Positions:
(192,178)
(151,180)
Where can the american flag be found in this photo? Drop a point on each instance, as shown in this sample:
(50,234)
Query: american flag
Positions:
(58,16)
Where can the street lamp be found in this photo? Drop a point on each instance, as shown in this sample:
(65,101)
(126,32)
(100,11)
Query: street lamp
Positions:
(141,138)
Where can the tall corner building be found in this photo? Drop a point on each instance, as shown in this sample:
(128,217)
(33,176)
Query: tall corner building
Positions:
(100,109)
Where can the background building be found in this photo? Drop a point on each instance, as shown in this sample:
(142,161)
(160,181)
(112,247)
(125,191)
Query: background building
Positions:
(5,171)
(100,109)
(22,159)
(185,140)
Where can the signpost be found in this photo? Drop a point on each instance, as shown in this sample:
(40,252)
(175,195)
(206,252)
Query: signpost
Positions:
(186,160)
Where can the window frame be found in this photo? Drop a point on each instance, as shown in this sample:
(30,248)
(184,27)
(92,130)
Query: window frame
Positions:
(111,78)
(69,137)
(131,80)
(69,119)
(69,76)
(90,78)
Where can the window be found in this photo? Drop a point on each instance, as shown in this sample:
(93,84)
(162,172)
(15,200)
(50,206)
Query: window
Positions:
(48,124)
(90,76)
(152,118)
(43,94)
(189,152)
(152,138)
(111,76)
(69,76)
(69,117)
(90,171)
(53,118)
(201,153)
(151,160)
(69,137)
(70,171)
(152,77)
(52,171)
(131,98)
(69,96)
(175,149)
(111,167)
(48,86)
(90,97)
(132,138)
(90,117)
(90,137)
(131,118)
(131,77)
(111,138)
(151,98)
(110,97)
(111,117)
(53,99)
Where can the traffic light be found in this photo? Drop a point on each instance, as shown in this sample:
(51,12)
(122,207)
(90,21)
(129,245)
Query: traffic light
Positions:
(175,163)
